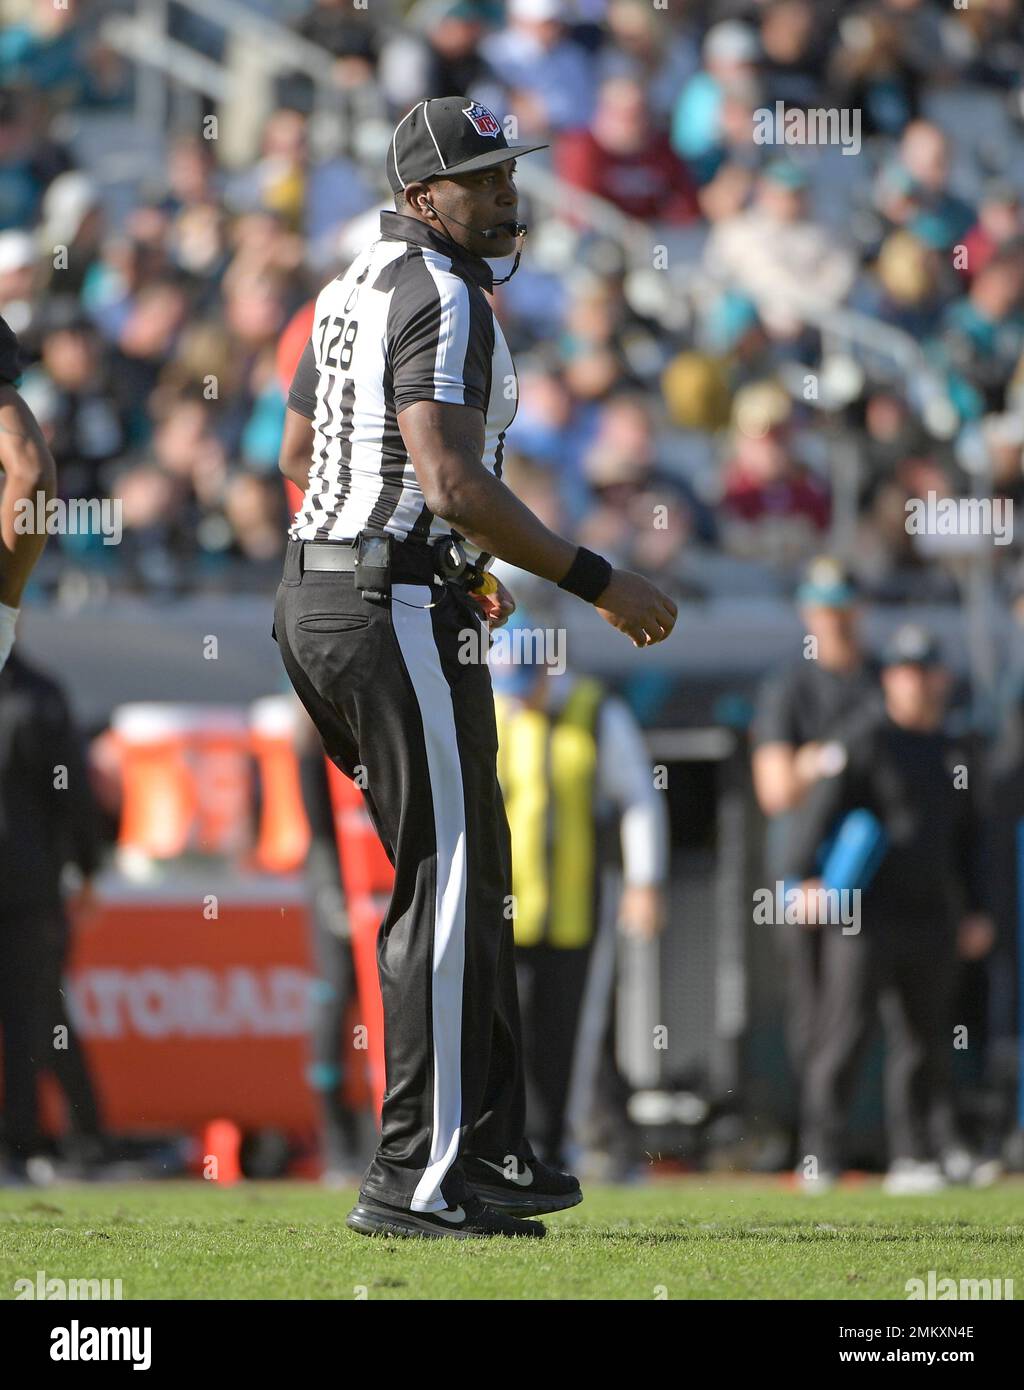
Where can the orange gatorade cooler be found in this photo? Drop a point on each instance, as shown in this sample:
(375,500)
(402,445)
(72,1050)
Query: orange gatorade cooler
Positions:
(158,803)
(187,779)
(221,761)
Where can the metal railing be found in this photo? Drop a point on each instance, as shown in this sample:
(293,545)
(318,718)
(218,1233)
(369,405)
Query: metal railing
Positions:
(144,38)
(135,39)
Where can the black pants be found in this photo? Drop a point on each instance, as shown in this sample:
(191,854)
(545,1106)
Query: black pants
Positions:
(398,710)
(907,974)
(33,949)
(802,951)
(575,1092)
(551,985)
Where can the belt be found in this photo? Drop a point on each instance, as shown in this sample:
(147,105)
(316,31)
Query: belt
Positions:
(329,555)
(410,563)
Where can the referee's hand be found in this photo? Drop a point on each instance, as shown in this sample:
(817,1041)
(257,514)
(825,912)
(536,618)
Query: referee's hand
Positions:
(638,608)
(498,606)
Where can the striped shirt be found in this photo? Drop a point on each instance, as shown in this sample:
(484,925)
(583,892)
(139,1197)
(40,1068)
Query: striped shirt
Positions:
(408,321)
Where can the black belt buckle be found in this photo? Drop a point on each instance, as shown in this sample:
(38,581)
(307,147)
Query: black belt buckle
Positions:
(373,565)
(450,561)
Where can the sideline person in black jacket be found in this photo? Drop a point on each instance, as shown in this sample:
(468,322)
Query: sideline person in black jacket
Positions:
(925,904)
(48,819)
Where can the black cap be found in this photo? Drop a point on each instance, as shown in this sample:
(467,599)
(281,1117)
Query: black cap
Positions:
(447,135)
(911,645)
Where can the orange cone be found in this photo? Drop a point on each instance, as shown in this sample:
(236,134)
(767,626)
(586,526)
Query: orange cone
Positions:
(222,1145)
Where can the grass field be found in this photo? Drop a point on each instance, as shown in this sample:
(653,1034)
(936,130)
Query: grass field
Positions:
(700,1237)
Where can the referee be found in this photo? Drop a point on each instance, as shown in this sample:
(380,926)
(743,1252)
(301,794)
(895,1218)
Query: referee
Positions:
(395,432)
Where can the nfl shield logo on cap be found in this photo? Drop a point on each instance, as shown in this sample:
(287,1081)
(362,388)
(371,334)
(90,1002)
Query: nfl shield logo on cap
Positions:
(483,121)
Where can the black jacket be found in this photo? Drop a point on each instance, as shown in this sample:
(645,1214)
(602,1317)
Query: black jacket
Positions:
(43,826)
(934,868)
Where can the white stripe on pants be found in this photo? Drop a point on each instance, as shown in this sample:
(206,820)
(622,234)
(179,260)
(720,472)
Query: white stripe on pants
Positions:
(414,631)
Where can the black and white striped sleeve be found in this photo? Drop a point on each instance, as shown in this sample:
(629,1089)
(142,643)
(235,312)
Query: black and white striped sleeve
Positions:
(302,395)
(440,337)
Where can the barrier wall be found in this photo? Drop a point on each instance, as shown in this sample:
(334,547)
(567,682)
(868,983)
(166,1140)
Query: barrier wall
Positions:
(184,1018)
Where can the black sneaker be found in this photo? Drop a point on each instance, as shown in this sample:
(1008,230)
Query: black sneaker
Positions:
(521,1187)
(467,1219)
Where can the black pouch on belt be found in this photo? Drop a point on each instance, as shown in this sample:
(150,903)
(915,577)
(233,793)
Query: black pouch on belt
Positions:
(373,565)
(450,560)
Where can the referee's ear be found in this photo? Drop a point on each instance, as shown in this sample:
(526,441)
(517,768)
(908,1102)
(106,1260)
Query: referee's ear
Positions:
(409,195)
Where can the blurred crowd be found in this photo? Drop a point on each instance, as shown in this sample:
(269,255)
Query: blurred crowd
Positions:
(693,401)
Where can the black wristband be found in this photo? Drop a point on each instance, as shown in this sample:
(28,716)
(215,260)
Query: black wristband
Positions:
(589,575)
